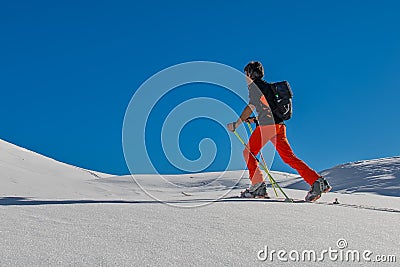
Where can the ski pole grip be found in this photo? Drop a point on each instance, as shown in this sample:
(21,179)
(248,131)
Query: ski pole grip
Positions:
(234,125)
(254,119)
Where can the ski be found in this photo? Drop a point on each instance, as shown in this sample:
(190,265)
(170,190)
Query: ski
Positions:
(263,199)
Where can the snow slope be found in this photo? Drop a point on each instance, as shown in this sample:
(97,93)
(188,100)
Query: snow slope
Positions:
(26,173)
(56,214)
(379,176)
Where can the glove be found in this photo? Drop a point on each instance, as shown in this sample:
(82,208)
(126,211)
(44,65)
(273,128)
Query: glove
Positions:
(252,120)
(231,126)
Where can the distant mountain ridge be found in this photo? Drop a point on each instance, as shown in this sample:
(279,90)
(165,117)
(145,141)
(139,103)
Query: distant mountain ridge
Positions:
(378,176)
(23,172)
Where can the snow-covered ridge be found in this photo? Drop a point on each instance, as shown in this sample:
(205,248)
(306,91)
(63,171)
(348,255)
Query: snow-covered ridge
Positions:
(374,176)
(377,176)
(26,173)
(13,155)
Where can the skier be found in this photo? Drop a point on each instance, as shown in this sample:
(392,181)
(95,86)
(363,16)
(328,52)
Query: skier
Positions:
(271,128)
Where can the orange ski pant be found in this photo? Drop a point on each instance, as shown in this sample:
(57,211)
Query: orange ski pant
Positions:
(277,135)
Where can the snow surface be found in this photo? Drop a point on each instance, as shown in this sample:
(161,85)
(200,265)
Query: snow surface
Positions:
(57,214)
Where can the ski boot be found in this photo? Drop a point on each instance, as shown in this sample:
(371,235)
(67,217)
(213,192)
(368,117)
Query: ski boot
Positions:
(258,190)
(319,186)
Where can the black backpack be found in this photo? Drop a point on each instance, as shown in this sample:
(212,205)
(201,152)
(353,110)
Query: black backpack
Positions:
(283,99)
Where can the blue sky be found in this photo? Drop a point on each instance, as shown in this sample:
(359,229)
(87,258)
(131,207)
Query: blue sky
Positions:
(68,70)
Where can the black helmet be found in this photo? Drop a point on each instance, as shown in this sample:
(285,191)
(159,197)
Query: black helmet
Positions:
(254,70)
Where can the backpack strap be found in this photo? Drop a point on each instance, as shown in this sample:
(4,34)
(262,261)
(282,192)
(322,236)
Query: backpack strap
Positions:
(274,89)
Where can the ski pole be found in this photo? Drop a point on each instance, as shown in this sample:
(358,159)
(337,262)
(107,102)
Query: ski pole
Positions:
(262,165)
(261,155)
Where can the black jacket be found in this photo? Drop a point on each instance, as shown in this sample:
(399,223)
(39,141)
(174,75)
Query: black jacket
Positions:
(262,97)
